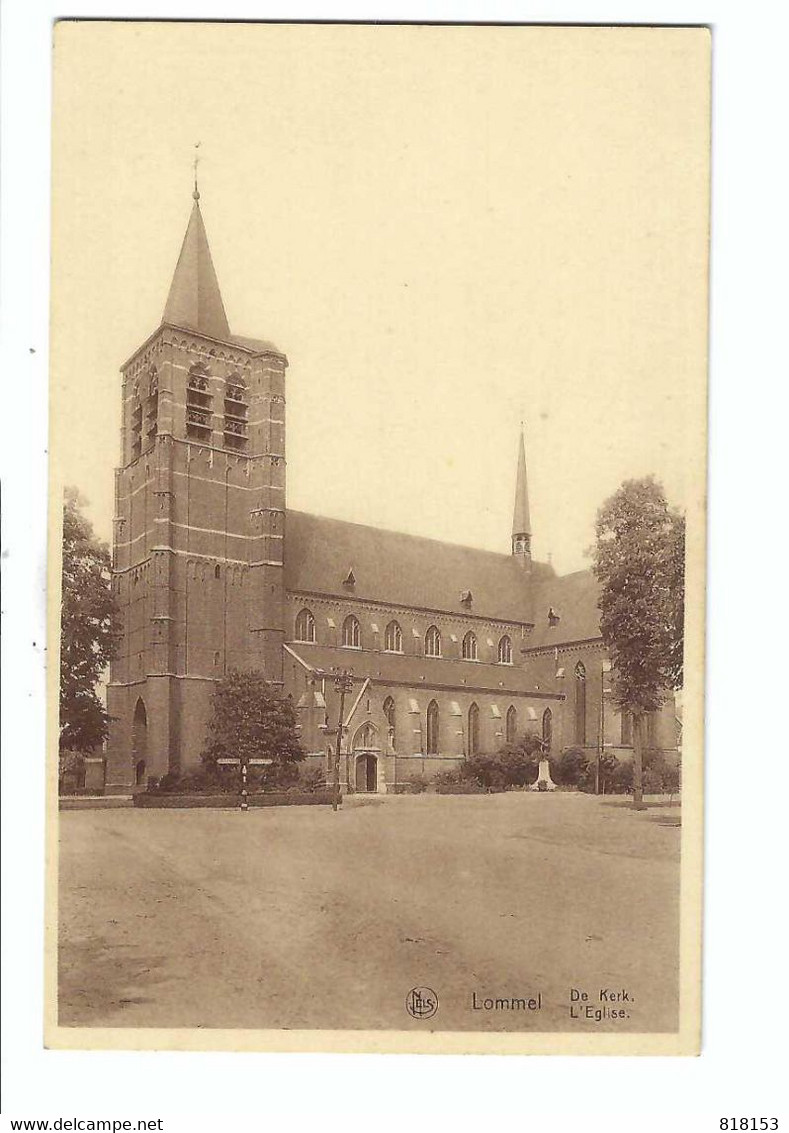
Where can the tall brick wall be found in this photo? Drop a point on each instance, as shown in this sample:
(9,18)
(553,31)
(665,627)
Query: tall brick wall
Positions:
(198,543)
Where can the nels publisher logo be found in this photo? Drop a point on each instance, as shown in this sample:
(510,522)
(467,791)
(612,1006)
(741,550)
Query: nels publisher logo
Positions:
(421,1003)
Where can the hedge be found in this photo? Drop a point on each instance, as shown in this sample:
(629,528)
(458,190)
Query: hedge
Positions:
(150,800)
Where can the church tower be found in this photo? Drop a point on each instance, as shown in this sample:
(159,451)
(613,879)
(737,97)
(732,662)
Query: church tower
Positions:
(521,522)
(199,521)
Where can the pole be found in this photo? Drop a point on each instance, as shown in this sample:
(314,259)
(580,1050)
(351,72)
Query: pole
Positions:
(601,748)
(244,802)
(343,682)
(605,669)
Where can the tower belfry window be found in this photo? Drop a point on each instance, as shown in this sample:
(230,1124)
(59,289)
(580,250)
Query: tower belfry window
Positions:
(136,423)
(198,404)
(236,410)
(152,409)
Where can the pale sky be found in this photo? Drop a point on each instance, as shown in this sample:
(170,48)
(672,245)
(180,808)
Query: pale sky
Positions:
(445,229)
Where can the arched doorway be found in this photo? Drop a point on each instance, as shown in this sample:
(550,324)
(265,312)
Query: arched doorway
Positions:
(139,742)
(366,751)
(366,773)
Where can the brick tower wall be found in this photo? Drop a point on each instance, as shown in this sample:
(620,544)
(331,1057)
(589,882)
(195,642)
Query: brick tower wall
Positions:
(198,547)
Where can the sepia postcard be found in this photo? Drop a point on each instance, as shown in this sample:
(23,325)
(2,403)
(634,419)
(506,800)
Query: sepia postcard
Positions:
(377,562)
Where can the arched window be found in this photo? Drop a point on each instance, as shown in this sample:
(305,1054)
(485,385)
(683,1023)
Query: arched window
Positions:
(198,378)
(473,730)
(432,728)
(198,404)
(305,626)
(580,704)
(512,724)
(433,642)
(217,571)
(650,732)
(351,633)
(627,729)
(393,638)
(470,646)
(547,729)
(389,713)
(505,650)
(236,388)
(366,737)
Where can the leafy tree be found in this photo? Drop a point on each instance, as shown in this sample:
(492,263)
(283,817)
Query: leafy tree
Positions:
(251,720)
(89,625)
(639,560)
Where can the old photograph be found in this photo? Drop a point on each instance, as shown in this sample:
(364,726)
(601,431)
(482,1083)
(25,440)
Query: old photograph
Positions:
(378,476)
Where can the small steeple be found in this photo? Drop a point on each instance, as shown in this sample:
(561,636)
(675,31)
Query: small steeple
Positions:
(195,301)
(521,522)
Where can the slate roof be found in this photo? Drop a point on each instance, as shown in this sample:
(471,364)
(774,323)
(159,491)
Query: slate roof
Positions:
(257,345)
(194,300)
(405,570)
(574,598)
(432,672)
(521,521)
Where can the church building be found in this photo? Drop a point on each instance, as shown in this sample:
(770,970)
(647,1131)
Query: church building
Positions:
(451,650)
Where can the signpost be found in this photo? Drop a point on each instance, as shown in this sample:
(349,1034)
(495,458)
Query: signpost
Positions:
(243,764)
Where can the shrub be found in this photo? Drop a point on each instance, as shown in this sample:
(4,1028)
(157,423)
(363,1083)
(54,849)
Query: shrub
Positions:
(168,783)
(214,781)
(448,778)
(660,776)
(416,784)
(571,769)
(512,766)
(461,787)
(621,778)
(311,779)
(672,780)
(491,771)
(652,781)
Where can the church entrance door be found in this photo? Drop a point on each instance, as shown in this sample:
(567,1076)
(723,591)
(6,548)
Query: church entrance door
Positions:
(366,773)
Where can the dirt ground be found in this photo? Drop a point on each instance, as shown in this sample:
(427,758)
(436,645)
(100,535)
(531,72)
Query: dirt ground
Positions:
(301,918)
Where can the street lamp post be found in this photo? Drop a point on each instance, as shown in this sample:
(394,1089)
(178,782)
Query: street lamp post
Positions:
(343,682)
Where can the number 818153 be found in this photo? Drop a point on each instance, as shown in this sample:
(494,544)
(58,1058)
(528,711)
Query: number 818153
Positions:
(733,1123)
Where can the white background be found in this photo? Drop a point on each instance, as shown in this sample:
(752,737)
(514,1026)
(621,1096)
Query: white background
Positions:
(741,1071)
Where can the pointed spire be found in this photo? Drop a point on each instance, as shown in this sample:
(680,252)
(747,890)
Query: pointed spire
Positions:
(195,301)
(521,521)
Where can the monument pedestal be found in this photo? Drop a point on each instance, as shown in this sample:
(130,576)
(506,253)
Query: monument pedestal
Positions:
(544,781)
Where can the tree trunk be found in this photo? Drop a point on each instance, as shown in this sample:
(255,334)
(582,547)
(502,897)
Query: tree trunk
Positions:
(638,760)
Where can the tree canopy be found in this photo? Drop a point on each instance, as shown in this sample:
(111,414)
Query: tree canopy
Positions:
(88,630)
(251,720)
(639,560)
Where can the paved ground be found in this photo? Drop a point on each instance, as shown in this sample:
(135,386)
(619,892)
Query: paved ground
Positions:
(298,917)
